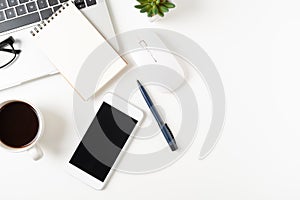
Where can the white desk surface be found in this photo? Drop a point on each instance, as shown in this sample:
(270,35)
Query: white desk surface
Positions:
(255,46)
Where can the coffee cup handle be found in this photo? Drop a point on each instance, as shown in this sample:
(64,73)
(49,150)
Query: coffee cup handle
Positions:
(36,152)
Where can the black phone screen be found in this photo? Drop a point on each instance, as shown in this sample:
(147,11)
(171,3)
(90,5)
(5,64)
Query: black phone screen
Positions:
(103,141)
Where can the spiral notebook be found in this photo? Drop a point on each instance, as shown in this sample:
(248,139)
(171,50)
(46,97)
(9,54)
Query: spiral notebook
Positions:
(77,50)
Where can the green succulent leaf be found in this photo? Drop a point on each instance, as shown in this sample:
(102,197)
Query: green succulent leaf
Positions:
(139,6)
(155,10)
(142,1)
(150,14)
(145,9)
(169,5)
(161,14)
(163,9)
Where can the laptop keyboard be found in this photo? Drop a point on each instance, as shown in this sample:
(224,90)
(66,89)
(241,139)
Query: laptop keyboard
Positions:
(18,13)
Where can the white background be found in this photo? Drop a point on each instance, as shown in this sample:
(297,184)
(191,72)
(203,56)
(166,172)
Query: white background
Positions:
(255,46)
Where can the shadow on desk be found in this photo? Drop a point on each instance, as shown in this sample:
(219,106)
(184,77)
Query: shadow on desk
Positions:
(52,140)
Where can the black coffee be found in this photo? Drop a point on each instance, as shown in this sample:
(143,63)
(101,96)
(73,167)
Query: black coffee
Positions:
(19,124)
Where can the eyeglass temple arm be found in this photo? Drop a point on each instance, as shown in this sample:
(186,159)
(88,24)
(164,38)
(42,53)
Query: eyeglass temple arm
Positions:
(16,51)
(3,44)
(10,40)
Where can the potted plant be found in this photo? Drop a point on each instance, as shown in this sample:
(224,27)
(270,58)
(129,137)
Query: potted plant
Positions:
(155,9)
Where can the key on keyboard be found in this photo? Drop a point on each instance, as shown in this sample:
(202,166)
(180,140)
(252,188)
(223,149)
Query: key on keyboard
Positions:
(2,17)
(52,2)
(23,1)
(10,13)
(12,3)
(21,10)
(42,4)
(31,6)
(79,4)
(20,21)
(55,8)
(90,2)
(46,13)
(3,4)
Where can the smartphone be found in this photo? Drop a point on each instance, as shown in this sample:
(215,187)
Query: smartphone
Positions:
(107,136)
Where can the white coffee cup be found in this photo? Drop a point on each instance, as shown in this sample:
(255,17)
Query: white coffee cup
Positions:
(32,148)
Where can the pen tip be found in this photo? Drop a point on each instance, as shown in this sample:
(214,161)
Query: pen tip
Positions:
(173,146)
(139,83)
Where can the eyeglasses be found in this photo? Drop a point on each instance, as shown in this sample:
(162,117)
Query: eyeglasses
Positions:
(7,52)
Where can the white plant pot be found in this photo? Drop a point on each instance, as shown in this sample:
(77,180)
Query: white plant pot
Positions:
(155,18)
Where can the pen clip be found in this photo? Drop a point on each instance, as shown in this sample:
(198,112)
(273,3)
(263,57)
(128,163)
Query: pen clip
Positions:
(144,45)
(172,143)
(166,125)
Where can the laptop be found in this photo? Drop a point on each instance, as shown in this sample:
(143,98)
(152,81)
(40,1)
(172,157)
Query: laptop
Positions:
(17,18)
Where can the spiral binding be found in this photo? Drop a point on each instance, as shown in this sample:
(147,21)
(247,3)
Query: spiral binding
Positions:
(44,23)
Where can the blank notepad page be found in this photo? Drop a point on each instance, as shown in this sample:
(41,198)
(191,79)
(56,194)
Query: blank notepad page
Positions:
(68,39)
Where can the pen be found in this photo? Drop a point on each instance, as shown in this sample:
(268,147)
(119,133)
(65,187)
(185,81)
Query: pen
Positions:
(162,125)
